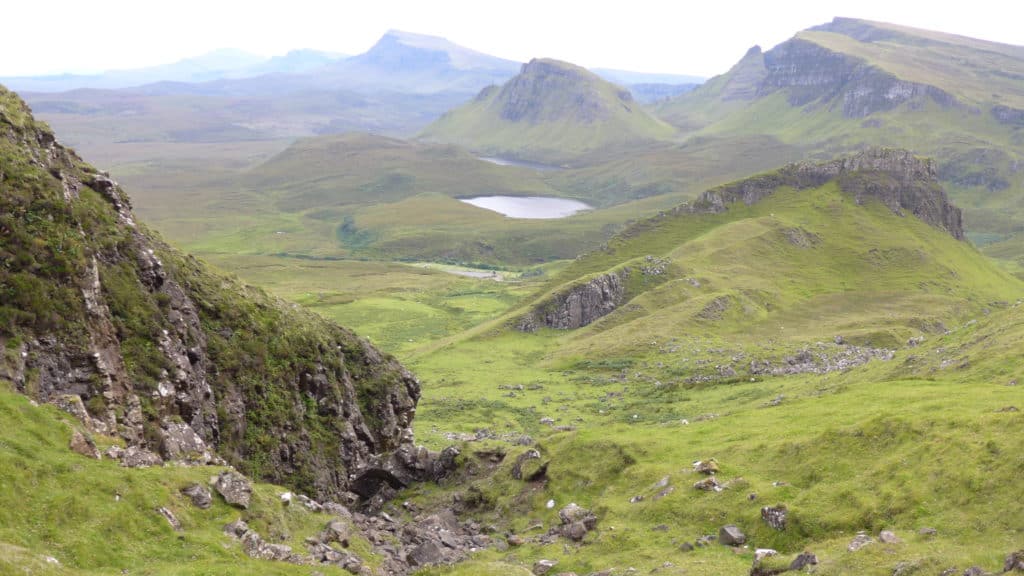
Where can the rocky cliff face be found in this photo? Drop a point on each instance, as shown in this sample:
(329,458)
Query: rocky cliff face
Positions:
(139,341)
(549,91)
(897,178)
(812,73)
(578,305)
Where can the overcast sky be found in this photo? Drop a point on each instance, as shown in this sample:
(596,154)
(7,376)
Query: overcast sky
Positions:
(701,38)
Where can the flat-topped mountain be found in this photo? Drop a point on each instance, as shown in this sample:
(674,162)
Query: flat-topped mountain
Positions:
(550,112)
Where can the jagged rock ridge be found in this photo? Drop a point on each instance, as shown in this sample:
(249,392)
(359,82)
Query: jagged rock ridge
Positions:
(897,178)
(139,341)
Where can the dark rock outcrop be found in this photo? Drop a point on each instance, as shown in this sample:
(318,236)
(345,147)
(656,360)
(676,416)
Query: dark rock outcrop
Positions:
(1008,115)
(897,178)
(578,305)
(199,495)
(810,72)
(235,488)
(141,342)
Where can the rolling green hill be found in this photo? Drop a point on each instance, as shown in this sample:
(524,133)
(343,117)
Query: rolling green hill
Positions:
(852,83)
(550,113)
(820,330)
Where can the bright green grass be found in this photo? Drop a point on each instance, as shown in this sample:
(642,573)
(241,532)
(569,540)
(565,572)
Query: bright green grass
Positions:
(858,451)
(56,503)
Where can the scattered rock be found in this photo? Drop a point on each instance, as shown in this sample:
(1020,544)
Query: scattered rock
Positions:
(859,541)
(200,495)
(975,571)
(803,560)
(731,535)
(1014,562)
(115,452)
(888,537)
(547,420)
(705,540)
(1008,409)
(286,498)
(775,401)
(136,457)
(515,540)
(178,441)
(576,522)
(686,547)
(336,531)
(171,519)
(926,531)
(82,444)
(762,553)
(775,516)
(709,484)
(426,554)
(709,466)
(542,567)
(905,568)
(234,487)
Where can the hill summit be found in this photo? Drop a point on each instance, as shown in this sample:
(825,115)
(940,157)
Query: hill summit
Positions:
(549,112)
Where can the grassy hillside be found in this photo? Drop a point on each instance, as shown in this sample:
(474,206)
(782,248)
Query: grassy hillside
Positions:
(851,83)
(859,441)
(93,517)
(551,112)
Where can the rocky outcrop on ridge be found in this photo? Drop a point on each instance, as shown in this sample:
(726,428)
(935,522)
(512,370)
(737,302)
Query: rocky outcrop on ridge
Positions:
(897,178)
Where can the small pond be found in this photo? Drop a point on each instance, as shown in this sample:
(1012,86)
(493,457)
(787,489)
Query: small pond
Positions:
(528,206)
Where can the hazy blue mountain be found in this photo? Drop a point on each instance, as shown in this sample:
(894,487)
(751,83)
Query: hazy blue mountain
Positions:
(226,62)
(625,77)
(407,62)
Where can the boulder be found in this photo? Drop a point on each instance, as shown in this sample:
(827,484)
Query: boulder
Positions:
(706,466)
(136,457)
(888,537)
(82,444)
(178,441)
(775,516)
(336,531)
(115,452)
(1014,562)
(731,535)
(200,495)
(975,571)
(859,541)
(709,484)
(576,522)
(803,560)
(235,488)
(428,553)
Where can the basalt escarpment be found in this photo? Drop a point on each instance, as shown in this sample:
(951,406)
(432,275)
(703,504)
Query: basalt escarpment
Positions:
(139,341)
(579,304)
(810,72)
(896,178)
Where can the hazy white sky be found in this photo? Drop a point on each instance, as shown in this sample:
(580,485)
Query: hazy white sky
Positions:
(701,38)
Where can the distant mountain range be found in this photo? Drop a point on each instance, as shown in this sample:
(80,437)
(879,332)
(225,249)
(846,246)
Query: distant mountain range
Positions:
(399,61)
(216,65)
